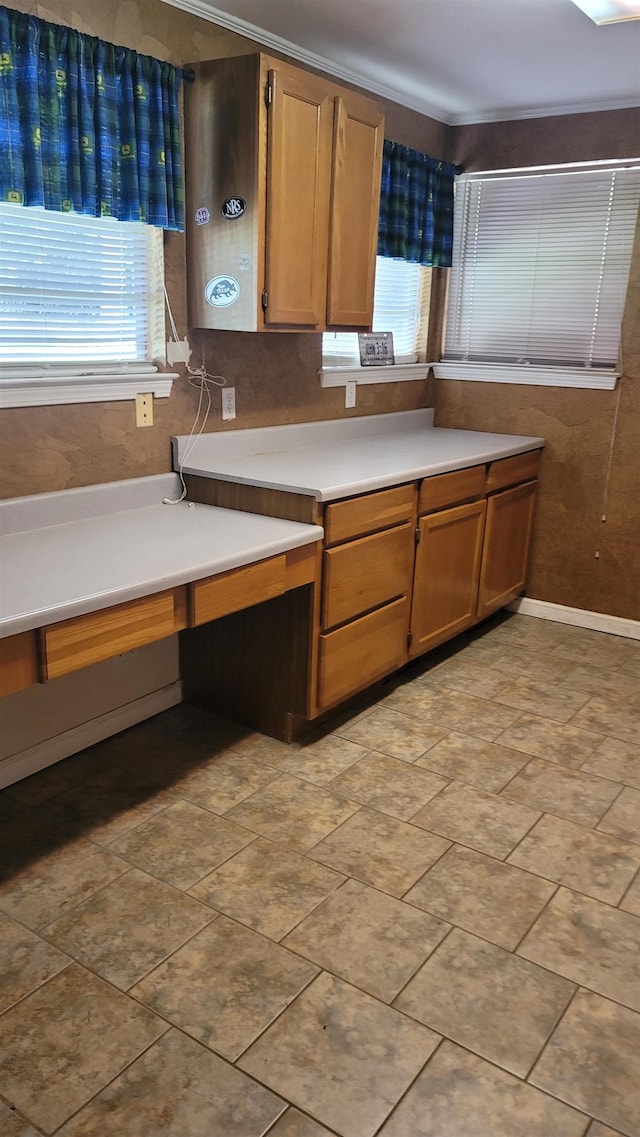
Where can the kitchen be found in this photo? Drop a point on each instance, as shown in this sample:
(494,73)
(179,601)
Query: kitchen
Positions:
(55,448)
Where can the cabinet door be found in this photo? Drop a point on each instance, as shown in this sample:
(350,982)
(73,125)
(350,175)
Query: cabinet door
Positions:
(355,203)
(506,547)
(299,128)
(446,574)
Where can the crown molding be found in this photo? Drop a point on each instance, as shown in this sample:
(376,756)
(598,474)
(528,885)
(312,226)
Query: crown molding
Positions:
(310,58)
(348,75)
(513,113)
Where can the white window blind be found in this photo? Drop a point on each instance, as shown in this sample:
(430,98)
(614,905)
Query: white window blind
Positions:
(540,266)
(401,304)
(78,294)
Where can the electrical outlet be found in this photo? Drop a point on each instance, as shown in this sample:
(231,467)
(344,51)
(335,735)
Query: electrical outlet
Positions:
(228,403)
(144,410)
(350,393)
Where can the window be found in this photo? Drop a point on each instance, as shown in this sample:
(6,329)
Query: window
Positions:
(540,268)
(401,306)
(81,307)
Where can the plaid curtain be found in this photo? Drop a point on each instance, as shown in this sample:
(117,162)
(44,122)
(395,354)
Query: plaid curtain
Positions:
(416,207)
(86,126)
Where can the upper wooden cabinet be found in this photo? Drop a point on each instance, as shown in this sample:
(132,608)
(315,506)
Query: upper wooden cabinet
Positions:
(283,187)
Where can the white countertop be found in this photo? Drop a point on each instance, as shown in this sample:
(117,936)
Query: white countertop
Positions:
(68,553)
(329,460)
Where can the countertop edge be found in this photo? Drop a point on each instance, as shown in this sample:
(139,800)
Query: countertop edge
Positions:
(95,602)
(383,481)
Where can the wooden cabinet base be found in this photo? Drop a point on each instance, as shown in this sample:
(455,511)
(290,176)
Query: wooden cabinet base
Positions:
(253,666)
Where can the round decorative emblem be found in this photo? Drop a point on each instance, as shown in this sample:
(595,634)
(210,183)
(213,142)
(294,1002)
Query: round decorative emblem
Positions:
(233,207)
(202,215)
(221,291)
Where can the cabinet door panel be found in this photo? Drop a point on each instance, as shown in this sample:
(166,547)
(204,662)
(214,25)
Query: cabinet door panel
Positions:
(446,574)
(298,193)
(506,547)
(366,573)
(353,657)
(355,202)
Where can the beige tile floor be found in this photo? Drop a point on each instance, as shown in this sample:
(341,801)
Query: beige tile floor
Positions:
(425,922)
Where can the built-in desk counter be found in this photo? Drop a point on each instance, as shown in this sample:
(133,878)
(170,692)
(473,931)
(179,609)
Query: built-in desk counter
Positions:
(92,572)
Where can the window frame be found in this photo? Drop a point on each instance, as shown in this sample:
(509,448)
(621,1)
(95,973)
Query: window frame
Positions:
(340,373)
(38,383)
(533,374)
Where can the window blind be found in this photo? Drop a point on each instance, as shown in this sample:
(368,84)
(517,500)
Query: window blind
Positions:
(401,305)
(77,292)
(540,266)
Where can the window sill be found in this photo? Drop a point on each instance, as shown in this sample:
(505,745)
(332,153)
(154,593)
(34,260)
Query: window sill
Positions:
(525,375)
(397,373)
(100,388)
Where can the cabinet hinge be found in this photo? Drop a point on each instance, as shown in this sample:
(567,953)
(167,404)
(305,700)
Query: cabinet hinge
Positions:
(418,535)
(265,299)
(409,639)
(268,94)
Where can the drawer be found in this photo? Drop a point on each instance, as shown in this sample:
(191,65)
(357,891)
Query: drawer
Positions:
(239,588)
(359,515)
(509,471)
(451,489)
(366,573)
(356,655)
(73,644)
(18,662)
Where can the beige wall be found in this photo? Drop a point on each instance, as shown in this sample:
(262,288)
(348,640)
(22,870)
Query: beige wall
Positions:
(578,559)
(276,380)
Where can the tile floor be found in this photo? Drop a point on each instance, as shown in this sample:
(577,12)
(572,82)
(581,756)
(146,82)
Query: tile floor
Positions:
(423,923)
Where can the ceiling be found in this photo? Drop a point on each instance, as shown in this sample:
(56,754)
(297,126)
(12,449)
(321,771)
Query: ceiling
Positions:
(459,61)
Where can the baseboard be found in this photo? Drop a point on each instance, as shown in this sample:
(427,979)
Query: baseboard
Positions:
(581,617)
(87,734)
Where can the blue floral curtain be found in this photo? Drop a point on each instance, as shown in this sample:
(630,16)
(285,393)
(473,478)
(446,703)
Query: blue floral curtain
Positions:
(416,206)
(87,127)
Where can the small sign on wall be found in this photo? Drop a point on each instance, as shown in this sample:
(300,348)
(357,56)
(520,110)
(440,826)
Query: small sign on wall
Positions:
(376,349)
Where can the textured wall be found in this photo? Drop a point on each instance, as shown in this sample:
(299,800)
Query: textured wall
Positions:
(275,376)
(582,451)
(47,448)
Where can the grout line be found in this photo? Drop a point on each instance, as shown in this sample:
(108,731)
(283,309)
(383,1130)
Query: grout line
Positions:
(634,879)
(556,1024)
(111,1080)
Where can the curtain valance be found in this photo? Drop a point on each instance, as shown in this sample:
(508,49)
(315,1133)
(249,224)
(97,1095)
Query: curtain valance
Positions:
(86,126)
(416,206)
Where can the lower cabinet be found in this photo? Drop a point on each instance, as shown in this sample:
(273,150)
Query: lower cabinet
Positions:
(447,566)
(407,568)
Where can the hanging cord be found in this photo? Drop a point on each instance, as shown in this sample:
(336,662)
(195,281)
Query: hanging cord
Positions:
(614,429)
(197,377)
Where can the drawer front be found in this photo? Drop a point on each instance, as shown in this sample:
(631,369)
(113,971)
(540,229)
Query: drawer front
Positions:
(509,471)
(240,588)
(73,644)
(356,655)
(18,663)
(360,515)
(366,573)
(452,488)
